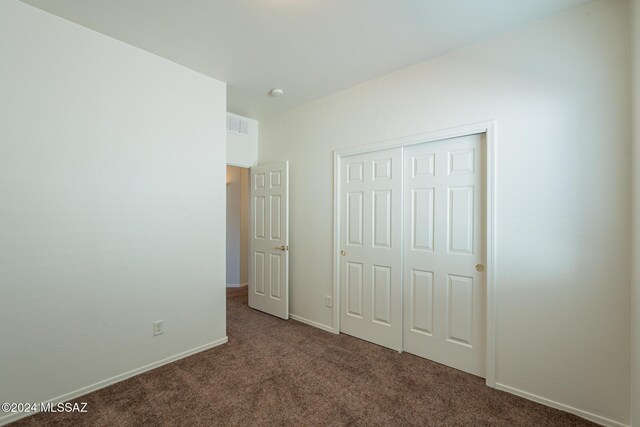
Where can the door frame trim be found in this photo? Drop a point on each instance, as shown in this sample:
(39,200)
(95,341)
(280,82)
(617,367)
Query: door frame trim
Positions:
(489,129)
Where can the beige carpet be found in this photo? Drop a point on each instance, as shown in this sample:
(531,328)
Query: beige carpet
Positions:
(275,372)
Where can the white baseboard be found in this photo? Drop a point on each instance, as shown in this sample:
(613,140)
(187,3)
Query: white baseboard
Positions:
(312,323)
(579,412)
(9,418)
(240,285)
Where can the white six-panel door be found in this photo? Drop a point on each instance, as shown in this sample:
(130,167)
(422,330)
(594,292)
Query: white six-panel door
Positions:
(412,242)
(370,236)
(269,239)
(444,291)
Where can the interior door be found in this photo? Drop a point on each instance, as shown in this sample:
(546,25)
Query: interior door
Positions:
(444,241)
(370,238)
(269,239)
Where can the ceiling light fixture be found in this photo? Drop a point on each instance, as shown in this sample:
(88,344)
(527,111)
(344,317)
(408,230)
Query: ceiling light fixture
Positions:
(276,92)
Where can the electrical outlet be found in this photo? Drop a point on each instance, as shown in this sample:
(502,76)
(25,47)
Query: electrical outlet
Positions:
(158,327)
(328,301)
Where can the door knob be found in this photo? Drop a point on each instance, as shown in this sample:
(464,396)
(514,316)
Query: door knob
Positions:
(343,253)
(282,248)
(479,268)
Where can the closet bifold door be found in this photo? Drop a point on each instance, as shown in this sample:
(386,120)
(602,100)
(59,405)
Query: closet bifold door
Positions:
(444,239)
(370,247)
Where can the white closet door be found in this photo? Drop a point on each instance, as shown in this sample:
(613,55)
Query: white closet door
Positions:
(269,239)
(444,241)
(370,236)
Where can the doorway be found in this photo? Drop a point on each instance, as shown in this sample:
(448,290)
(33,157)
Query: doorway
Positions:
(414,246)
(237,227)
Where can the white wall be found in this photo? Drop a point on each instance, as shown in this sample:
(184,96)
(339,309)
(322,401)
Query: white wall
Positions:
(112,171)
(559,90)
(242,150)
(635,300)
(237,226)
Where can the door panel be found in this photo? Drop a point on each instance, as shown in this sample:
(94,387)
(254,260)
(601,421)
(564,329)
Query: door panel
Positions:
(258,273)
(269,240)
(260,216)
(354,218)
(370,237)
(276,217)
(354,289)
(444,295)
(421,299)
(382,294)
(382,219)
(422,219)
(460,309)
(460,223)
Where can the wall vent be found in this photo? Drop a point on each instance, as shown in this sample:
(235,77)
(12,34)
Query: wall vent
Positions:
(237,125)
